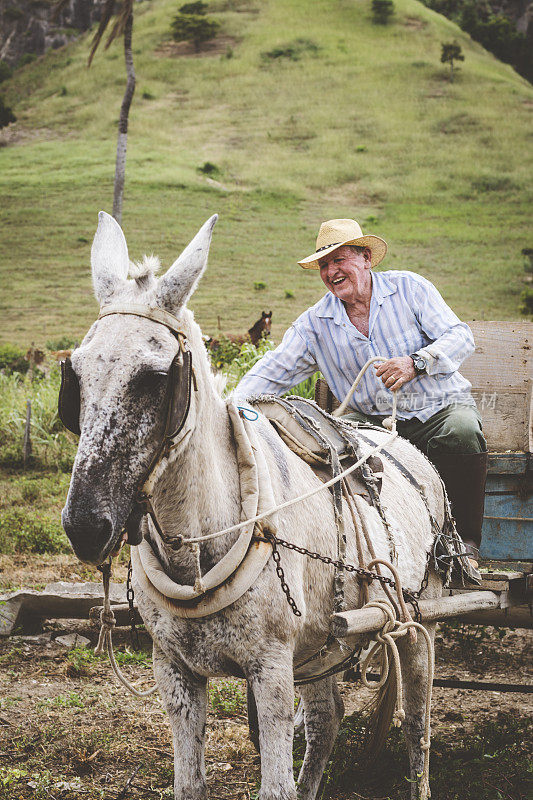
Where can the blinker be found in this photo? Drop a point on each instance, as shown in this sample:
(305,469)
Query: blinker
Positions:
(177,403)
(68,405)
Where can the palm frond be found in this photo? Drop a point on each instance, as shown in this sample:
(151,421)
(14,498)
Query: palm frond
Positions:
(120,22)
(107,13)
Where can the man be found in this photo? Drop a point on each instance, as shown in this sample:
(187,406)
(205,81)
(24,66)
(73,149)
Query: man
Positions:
(399,315)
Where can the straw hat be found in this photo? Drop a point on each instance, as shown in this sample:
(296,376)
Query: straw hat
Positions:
(337,232)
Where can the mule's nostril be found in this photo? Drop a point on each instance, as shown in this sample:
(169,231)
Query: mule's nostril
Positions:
(89,535)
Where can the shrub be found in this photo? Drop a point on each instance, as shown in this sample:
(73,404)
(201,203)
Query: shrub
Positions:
(12,359)
(6,114)
(5,71)
(259,285)
(208,168)
(527,301)
(23,531)
(293,50)
(63,343)
(194,8)
(194,28)
(382,11)
(26,58)
(527,252)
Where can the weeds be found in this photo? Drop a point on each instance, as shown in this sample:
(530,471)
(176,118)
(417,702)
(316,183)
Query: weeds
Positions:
(79,662)
(70,700)
(228,698)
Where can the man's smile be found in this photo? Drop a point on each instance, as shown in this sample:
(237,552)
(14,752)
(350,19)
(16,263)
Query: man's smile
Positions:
(337,281)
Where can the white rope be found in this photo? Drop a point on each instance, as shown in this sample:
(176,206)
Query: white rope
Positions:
(105,640)
(390,422)
(294,500)
(385,642)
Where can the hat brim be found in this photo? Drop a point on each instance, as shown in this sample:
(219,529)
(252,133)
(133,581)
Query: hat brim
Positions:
(378,248)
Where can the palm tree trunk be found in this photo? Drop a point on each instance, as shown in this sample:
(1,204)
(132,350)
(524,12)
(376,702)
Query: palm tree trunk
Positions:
(120,165)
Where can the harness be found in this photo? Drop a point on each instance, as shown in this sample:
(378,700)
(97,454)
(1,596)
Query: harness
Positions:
(312,433)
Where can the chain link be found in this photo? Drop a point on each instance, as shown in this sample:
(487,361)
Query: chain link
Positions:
(281,575)
(131,597)
(409,596)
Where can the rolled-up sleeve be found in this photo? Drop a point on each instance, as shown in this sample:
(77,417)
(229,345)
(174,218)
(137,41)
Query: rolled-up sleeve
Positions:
(451,341)
(279,369)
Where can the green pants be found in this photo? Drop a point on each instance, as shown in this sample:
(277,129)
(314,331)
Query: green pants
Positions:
(454,429)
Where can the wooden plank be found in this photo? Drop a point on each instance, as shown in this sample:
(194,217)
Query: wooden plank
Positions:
(503,355)
(501,374)
(368,620)
(505,416)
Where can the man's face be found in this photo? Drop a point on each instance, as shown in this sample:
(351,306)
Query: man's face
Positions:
(345,272)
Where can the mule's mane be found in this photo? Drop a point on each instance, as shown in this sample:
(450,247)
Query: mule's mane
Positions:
(148,267)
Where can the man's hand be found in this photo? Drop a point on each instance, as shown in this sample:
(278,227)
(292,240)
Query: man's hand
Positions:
(396,372)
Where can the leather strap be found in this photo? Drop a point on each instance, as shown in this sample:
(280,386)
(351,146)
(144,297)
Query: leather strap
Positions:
(154,313)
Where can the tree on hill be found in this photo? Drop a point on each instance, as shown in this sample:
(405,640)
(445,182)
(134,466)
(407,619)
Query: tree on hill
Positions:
(451,51)
(488,24)
(195,28)
(123,26)
(382,11)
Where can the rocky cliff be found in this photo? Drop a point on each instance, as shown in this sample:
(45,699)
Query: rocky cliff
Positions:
(29,26)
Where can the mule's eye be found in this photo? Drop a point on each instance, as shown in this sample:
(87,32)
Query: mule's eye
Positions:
(148,381)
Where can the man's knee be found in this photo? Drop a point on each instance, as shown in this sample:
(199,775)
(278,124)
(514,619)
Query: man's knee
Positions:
(460,432)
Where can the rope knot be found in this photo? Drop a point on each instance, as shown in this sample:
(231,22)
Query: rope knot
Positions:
(398,717)
(107,619)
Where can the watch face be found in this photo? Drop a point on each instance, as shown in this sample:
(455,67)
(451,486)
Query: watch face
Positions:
(420,365)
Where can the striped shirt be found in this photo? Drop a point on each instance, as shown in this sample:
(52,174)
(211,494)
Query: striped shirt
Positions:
(407,315)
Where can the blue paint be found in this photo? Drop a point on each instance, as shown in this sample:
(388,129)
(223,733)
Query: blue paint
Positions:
(508,518)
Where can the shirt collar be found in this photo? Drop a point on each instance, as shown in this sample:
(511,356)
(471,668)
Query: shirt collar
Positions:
(382,287)
(333,308)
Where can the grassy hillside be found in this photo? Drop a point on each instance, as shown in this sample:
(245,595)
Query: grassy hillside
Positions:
(367,125)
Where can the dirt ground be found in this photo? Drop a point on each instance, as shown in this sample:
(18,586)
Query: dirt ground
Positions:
(68,730)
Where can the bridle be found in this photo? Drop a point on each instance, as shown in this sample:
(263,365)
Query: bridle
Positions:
(180,383)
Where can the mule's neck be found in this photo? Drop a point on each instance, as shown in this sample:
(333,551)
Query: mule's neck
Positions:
(199,490)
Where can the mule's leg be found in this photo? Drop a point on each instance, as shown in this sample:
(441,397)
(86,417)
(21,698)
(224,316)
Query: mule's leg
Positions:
(271,682)
(324,711)
(415,682)
(185,699)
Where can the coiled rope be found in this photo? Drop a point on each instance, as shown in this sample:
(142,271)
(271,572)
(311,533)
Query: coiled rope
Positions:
(105,638)
(385,647)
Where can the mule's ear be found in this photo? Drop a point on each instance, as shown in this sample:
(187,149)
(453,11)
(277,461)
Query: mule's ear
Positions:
(178,284)
(109,258)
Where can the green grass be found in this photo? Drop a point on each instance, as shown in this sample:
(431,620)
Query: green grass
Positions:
(367,126)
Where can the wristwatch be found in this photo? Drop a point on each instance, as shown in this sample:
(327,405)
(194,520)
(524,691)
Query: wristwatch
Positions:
(420,363)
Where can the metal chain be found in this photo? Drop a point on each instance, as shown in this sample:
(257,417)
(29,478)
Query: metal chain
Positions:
(281,575)
(409,596)
(134,635)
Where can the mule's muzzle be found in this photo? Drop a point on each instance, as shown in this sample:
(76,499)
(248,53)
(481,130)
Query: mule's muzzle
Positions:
(92,538)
